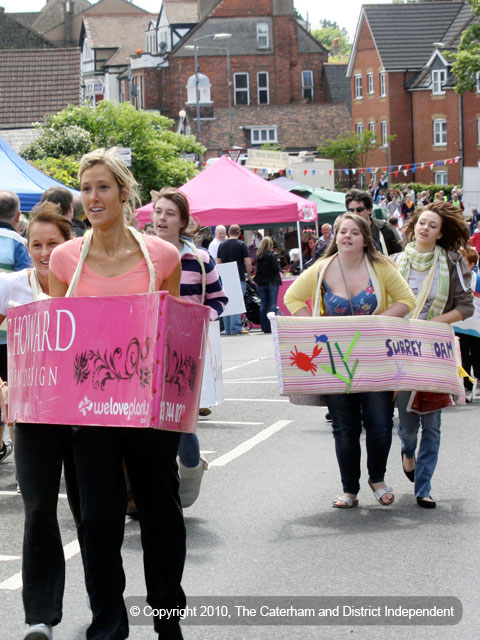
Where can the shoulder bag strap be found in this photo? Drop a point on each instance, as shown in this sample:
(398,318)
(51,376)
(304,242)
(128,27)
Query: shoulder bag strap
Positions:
(199,258)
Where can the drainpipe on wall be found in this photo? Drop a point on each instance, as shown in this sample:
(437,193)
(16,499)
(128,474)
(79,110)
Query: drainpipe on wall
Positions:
(460,135)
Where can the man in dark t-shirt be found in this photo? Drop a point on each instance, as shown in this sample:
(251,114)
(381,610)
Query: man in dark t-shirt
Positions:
(234,250)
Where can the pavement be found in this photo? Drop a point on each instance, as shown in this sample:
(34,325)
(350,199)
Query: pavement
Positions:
(263,528)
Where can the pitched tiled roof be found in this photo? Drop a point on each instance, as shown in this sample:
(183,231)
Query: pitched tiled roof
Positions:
(34,83)
(404,33)
(25,18)
(53,13)
(124,33)
(14,35)
(181,12)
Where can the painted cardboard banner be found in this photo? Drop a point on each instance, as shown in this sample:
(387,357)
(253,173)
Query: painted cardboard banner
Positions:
(365,353)
(212,384)
(128,361)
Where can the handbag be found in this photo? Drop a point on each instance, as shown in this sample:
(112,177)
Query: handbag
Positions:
(423,402)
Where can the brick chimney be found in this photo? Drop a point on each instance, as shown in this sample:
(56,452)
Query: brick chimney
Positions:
(68,13)
(335,50)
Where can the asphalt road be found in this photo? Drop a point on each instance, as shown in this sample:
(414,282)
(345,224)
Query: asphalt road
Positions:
(263,525)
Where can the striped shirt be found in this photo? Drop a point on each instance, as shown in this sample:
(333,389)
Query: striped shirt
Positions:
(191,281)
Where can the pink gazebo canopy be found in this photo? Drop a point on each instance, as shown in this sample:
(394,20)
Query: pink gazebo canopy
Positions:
(227,193)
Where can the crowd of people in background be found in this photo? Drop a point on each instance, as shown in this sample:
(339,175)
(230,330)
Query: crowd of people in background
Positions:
(394,252)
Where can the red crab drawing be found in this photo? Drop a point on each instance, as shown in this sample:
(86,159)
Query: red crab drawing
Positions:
(303,361)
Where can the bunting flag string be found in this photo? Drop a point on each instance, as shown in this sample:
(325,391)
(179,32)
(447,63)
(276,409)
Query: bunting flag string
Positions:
(395,170)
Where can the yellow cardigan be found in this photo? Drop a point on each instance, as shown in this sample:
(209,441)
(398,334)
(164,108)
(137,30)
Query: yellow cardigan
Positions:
(388,284)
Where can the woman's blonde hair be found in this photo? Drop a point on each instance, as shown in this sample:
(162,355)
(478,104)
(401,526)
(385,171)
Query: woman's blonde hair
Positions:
(373,254)
(123,176)
(188,228)
(265,245)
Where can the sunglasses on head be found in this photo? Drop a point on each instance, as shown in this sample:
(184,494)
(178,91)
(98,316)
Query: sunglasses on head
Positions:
(357,210)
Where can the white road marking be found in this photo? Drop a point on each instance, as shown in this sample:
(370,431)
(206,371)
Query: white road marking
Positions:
(7,558)
(249,444)
(14,493)
(245,364)
(15,582)
(72,548)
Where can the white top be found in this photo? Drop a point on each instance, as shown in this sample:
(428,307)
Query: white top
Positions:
(14,288)
(213,247)
(416,280)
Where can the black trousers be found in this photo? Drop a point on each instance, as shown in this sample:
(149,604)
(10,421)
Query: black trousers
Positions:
(150,458)
(470,350)
(40,450)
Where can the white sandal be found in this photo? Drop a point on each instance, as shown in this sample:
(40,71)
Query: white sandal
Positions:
(379,493)
(349,502)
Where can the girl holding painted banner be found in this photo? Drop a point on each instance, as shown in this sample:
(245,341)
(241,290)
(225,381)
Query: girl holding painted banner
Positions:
(114,259)
(200,282)
(353,278)
(41,449)
(440,281)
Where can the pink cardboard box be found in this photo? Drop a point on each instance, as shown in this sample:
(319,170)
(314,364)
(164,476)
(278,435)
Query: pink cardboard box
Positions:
(126,361)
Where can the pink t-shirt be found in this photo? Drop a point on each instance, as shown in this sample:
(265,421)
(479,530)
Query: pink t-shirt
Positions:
(65,257)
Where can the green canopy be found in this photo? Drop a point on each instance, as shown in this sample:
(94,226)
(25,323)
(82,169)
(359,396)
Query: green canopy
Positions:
(330,204)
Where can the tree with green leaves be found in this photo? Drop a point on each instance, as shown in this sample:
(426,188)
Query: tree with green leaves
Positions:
(351,149)
(466,61)
(156,148)
(326,35)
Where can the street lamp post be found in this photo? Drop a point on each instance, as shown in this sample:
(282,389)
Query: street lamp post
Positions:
(215,36)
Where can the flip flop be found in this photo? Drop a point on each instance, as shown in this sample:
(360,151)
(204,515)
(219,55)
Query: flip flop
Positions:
(349,502)
(379,493)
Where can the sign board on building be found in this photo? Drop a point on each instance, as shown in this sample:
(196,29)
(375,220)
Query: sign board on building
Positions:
(125,155)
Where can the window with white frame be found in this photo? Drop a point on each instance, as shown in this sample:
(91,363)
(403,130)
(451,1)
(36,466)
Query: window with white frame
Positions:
(441,177)
(151,42)
(383,84)
(307,85)
(263,94)
(384,134)
(439,76)
(477,81)
(241,88)
(370,82)
(262,35)
(371,126)
(263,135)
(359,128)
(358,88)
(439,133)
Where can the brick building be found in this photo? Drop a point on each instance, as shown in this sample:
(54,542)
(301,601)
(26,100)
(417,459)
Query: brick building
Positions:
(36,79)
(277,82)
(402,85)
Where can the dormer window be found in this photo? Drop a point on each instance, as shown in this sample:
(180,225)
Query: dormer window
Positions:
(151,42)
(262,35)
(439,77)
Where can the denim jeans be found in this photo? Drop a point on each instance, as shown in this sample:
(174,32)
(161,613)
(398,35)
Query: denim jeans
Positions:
(429,442)
(268,302)
(233,324)
(348,412)
(189,450)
